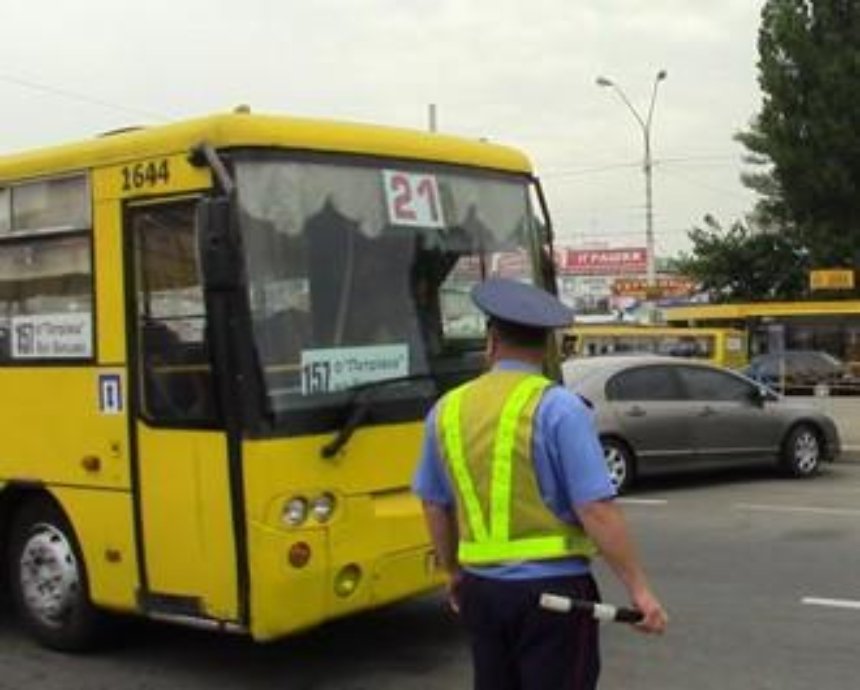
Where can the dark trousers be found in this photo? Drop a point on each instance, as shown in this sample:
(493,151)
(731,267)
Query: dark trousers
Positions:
(516,645)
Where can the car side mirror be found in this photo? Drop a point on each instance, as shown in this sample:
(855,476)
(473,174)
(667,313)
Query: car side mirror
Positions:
(761,394)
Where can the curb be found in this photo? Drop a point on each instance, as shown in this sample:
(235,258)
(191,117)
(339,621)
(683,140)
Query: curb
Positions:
(850,454)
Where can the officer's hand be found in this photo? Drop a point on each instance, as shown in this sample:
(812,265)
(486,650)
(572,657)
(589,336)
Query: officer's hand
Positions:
(454,582)
(655,619)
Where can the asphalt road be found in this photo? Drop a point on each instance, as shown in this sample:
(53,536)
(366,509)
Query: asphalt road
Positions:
(758,573)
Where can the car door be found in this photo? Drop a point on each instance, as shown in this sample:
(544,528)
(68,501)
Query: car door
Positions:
(648,404)
(730,421)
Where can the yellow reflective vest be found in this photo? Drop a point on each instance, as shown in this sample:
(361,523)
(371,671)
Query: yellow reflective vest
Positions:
(484,432)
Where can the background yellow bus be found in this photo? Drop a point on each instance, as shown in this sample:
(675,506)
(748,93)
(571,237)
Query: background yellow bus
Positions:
(831,327)
(218,341)
(722,346)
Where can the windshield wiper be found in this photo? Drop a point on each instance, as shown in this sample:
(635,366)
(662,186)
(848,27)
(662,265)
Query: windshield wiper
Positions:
(360,402)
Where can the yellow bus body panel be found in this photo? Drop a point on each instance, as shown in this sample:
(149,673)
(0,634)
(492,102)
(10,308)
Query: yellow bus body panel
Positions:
(733,312)
(241,130)
(377,526)
(53,434)
(186,518)
(52,425)
(104,526)
(729,346)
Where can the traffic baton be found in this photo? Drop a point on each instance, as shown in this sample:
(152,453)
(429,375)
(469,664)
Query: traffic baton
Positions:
(600,612)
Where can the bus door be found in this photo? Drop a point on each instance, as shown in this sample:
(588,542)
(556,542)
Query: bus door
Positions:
(732,349)
(183,498)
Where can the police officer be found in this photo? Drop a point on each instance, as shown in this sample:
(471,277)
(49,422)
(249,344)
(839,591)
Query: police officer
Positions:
(518,499)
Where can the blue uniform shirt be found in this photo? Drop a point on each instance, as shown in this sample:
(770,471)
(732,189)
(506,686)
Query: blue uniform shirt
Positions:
(569,466)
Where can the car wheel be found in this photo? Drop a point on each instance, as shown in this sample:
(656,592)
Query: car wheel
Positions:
(801,452)
(619,462)
(48,580)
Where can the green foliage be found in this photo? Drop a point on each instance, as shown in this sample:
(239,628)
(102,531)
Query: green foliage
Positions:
(743,265)
(806,139)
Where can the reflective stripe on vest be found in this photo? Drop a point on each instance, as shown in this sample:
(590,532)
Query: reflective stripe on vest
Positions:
(495,544)
(454,446)
(503,452)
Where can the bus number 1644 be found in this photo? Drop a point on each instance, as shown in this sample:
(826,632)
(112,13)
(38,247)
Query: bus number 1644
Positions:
(145,175)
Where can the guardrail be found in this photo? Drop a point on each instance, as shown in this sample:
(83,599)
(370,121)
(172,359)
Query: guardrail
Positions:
(833,389)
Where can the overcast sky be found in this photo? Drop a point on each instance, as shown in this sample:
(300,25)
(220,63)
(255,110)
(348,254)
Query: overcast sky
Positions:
(520,72)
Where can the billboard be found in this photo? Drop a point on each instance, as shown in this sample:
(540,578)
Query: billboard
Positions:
(664,286)
(832,279)
(612,262)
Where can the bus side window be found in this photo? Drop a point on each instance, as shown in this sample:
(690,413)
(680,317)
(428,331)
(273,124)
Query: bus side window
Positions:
(568,345)
(162,398)
(175,371)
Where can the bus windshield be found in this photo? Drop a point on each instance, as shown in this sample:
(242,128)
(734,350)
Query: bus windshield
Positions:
(360,271)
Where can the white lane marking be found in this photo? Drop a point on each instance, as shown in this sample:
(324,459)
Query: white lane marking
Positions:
(643,501)
(807,510)
(833,603)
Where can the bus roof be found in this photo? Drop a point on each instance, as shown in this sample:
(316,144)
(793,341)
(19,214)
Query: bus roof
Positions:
(642,329)
(755,309)
(241,129)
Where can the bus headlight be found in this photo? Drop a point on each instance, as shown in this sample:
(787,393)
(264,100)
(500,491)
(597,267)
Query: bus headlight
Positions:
(322,507)
(295,511)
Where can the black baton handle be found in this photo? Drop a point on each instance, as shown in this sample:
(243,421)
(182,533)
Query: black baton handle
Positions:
(625,615)
(600,612)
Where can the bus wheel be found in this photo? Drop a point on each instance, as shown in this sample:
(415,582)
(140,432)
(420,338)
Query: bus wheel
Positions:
(48,580)
(619,462)
(801,452)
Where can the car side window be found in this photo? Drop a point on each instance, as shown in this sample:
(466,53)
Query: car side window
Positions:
(644,383)
(708,384)
(818,366)
(775,366)
(798,365)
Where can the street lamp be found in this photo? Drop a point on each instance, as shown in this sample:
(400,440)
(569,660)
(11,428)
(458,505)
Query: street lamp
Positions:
(645,124)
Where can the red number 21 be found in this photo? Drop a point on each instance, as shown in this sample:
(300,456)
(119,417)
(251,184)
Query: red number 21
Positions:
(427,189)
(403,197)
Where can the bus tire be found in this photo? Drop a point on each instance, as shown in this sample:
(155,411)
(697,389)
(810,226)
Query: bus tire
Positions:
(619,462)
(48,580)
(802,451)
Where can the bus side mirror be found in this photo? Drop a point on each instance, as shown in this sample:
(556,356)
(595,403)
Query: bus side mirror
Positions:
(218,245)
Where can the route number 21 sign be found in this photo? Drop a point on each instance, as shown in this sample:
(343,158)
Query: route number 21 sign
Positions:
(412,199)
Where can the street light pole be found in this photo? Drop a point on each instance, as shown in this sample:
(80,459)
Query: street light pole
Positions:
(647,165)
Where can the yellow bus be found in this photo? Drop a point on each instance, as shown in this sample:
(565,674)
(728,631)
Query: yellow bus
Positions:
(218,341)
(831,326)
(722,346)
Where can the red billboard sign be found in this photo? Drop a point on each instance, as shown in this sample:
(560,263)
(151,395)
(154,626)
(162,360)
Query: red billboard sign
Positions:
(604,261)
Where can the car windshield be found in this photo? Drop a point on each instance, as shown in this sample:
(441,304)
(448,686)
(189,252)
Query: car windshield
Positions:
(361,271)
(827,360)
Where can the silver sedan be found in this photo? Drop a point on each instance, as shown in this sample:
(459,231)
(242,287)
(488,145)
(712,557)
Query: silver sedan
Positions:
(658,414)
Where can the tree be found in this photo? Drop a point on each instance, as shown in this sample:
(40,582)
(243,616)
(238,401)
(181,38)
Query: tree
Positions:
(744,264)
(808,130)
